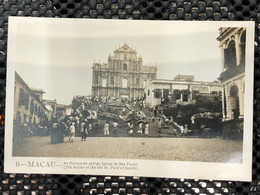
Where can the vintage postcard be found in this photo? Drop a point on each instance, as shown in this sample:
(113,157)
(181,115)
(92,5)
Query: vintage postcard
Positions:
(131,98)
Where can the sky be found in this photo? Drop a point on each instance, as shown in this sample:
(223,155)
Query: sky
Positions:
(56,55)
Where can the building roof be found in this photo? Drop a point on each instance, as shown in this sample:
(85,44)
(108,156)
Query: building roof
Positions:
(50,101)
(19,79)
(63,106)
(37,90)
(224,32)
(230,73)
(182,77)
(125,48)
(167,82)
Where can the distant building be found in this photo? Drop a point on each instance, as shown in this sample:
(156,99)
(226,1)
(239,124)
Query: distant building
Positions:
(180,91)
(58,111)
(232,43)
(51,105)
(122,76)
(181,77)
(28,105)
(62,111)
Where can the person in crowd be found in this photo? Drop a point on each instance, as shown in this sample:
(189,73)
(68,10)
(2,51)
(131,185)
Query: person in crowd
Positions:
(90,129)
(54,132)
(77,120)
(146,128)
(40,130)
(46,130)
(185,131)
(182,129)
(174,131)
(155,111)
(86,127)
(25,129)
(160,126)
(30,131)
(72,132)
(171,120)
(130,129)
(141,105)
(115,125)
(140,129)
(106,128)
(61,131)
(83,132)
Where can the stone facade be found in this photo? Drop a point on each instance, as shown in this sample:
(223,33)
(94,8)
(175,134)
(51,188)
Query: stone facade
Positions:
(124,75)
(28,104)
(232,42)
(180,91)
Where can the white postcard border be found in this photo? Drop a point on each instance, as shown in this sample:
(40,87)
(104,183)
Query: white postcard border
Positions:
(147,168)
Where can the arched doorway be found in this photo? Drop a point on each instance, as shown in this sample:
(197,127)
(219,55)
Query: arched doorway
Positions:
(243,47)
(234,102)
(230,55)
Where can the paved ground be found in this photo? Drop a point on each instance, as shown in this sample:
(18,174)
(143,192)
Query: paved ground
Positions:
(179,149)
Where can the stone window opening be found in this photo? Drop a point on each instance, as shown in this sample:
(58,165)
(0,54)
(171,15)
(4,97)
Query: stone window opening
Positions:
(185,97)
(104,82)
(230,55)
(112,80)
(125,67)
(176,94)
(144,85)
(96,78)
(166,93)
(124,83)
(137,81)
(158,93)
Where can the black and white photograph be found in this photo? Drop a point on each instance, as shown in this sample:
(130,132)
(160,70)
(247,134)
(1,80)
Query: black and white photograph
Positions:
(146,91)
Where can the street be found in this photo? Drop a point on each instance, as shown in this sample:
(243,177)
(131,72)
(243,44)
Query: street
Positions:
(177,149)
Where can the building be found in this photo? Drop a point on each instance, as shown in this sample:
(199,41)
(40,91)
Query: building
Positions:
(51,105)
(62,111)
(181,90)
(28,105)
(232,43)
(58,111)
(124,75)
(181,77)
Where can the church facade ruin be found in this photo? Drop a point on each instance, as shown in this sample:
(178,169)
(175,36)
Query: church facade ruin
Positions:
(123,76)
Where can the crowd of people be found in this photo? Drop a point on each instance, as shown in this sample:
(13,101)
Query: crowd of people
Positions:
(84,120)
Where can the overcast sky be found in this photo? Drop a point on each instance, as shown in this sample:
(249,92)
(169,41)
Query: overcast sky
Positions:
(57,54)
